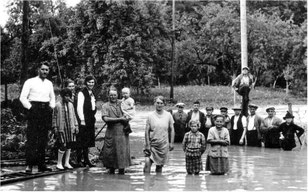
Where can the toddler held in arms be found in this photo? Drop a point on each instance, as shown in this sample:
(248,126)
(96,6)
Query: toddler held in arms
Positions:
(128,108)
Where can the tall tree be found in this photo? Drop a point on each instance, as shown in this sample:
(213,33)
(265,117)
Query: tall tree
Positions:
(25,42)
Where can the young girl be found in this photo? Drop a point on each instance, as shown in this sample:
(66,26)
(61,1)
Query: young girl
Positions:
(217,160)
(66,126)
(128,108)
(194,147)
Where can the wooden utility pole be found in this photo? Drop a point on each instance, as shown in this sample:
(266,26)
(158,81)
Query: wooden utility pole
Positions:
(173,50)
(243,33)
(243,49)
(25,42)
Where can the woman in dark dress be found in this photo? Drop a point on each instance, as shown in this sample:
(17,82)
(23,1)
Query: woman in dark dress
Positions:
(116,149)
(86,110)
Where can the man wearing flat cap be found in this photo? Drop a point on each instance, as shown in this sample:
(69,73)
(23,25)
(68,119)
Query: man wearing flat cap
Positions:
(242,84)
(179,118)
(254,122)
(224,112)
(196,115)
(238,127)
(209,120)
(269,129)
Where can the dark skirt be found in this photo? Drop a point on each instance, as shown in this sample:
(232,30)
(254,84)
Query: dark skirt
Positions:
(217,165)
(252,138)
(193,164)
(86,136)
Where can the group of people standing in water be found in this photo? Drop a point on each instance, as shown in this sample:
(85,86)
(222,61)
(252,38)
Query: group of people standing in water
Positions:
(72,116)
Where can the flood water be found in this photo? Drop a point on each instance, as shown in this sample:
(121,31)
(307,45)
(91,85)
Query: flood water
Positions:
(251,168)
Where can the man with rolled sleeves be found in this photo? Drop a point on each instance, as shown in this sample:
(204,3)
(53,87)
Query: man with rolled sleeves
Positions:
(254,122)
(38,97)
(269,129)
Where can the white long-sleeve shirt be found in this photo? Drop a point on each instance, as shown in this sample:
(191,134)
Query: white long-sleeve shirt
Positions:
(36,89)
(80,103)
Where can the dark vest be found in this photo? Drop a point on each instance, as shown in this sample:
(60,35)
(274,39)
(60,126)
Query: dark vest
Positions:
(239,122)
(89,114)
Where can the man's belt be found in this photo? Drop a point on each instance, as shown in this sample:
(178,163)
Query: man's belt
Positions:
(41,105)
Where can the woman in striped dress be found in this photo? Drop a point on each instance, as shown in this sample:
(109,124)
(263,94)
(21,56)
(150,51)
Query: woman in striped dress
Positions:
(66,127)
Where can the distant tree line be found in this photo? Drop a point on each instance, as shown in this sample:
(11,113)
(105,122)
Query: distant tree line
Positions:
(128,43)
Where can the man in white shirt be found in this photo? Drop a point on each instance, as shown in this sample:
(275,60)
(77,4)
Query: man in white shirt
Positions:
(238,127)
(38,97)
(242,84)
(254,122)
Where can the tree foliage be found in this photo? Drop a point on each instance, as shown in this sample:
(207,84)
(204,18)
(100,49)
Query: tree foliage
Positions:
(128,43)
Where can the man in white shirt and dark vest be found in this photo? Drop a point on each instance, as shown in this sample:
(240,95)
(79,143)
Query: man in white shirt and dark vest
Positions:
(254,122)
(238,127)
(38,97)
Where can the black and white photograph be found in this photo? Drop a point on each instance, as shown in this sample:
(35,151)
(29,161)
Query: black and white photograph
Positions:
(153,95)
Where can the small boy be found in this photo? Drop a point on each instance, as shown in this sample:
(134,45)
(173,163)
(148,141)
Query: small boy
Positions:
(194,145)
(128,108)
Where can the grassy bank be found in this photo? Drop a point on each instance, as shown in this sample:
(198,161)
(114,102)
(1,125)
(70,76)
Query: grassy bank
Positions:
(218,96)
(215,96)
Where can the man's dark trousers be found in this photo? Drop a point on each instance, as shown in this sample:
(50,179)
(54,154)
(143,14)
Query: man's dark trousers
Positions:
(39,122)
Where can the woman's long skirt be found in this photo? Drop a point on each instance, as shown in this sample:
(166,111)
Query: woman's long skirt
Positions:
(217,165)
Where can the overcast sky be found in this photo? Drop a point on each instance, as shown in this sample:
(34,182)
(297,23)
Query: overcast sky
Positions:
(4,14)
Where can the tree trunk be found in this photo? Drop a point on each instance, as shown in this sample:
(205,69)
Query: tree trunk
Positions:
(274,85)
(287,89)
(208,80)
(5,92)
(25,42)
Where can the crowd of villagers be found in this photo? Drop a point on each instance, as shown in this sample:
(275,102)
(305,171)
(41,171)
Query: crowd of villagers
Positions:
(71,115)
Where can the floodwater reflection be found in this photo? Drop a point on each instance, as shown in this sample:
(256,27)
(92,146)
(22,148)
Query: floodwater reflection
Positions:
(251,168)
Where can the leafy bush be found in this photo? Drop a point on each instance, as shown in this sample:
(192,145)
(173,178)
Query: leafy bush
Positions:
(12,135)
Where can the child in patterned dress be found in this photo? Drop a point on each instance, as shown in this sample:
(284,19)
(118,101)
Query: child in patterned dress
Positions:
(194,144)
(128,108)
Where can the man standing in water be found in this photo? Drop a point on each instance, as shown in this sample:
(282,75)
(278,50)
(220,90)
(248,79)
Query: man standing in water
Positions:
(242,84)
(38,97)
(269,129)
(179,122)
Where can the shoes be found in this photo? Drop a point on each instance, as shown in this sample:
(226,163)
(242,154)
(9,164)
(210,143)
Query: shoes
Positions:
(29,169)
(69,167)
(59,167)
(44,168)
(90,164)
